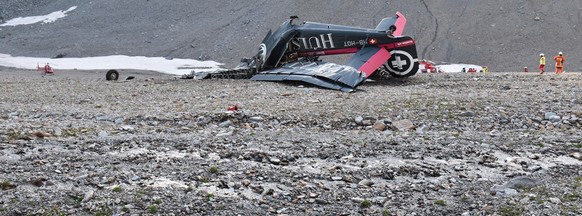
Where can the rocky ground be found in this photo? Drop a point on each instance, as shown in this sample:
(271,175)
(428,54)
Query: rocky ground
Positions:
(457,144)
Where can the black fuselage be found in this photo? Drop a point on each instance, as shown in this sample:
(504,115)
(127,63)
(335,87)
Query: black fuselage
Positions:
(319,39)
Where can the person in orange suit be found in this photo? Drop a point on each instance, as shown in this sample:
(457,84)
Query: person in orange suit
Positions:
(542,63)
(560,59)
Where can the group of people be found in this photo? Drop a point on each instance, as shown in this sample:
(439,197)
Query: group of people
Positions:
(559,59)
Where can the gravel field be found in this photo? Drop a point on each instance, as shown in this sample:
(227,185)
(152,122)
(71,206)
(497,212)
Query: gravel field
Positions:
(433,144)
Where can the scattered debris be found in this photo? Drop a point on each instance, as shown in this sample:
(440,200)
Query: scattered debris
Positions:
(232,108)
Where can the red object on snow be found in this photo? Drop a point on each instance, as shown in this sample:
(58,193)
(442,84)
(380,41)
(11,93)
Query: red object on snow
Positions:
(233,108)
(47,69)
(427,67)
(472,70)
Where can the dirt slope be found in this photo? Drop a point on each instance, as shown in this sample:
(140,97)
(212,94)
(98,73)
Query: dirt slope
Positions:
(503,34)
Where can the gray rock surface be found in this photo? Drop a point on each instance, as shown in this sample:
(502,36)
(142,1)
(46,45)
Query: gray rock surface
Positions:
(515,184)
(505,35)
(169,156)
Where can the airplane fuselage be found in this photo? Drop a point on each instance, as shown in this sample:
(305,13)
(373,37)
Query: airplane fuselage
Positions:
(311,39)
(317,39)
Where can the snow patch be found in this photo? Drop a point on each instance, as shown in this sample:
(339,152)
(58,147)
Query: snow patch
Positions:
(36,19)
(159,64)
(457,68)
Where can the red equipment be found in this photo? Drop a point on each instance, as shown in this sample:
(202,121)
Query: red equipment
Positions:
(427,67)
(47,69)
(232,108)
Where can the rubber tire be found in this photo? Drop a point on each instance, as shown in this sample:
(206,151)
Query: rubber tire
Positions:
(392,29)
(112,75)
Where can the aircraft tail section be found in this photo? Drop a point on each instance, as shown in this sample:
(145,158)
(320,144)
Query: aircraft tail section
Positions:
(394,24)
(403,58)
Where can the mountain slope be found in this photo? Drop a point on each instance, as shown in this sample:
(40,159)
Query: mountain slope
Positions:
(504,35)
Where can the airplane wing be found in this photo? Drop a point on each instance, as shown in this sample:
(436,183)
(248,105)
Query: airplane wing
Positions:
(369,59)
(330,75)
(327,75)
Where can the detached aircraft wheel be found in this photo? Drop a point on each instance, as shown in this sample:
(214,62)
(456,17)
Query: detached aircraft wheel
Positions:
(112,75)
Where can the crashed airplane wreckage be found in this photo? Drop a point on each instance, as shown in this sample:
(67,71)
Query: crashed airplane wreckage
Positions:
(292,52)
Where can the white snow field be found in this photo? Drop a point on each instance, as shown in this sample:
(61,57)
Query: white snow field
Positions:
(457,68)
(159,64)
(36,19)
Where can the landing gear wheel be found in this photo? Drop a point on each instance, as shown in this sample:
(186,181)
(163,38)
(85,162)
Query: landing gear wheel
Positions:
(391,31)
(112,75)
(260,58)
